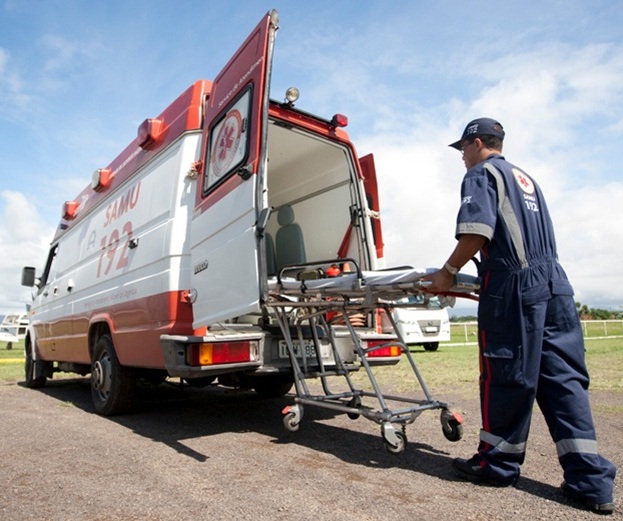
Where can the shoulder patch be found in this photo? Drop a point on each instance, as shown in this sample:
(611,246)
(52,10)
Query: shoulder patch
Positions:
(524,182)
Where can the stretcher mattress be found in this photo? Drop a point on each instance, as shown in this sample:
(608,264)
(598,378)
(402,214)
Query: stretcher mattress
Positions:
(389,284)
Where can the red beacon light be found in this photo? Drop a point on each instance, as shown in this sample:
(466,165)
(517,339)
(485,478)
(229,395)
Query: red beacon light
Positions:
(339,120)
(101,179)
(149,131)
(70,209)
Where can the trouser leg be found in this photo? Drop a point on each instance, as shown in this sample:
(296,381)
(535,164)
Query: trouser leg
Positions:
(564,400)
(509,375)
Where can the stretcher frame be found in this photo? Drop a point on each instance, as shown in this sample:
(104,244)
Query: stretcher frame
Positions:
(299,301)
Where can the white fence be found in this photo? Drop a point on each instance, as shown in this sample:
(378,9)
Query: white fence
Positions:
(466,332)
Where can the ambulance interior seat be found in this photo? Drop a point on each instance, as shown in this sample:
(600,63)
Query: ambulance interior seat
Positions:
(289,245)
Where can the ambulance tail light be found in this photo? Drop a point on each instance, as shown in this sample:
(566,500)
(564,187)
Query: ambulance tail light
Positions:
(70,209)
(339,120)
(216,353)
(383,349)
(149,131)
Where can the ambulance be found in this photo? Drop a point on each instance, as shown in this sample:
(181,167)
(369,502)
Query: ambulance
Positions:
(161,266)
(422,321)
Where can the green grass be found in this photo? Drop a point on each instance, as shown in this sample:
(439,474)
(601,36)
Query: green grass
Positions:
(12,362)
(452,368)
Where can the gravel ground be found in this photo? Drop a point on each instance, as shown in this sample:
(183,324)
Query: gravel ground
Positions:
(209,454)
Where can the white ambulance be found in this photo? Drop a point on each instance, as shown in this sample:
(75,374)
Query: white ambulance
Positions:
(160,267)
(422,321)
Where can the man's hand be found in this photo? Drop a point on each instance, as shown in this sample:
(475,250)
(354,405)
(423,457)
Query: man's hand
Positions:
(440,281)
(467,246)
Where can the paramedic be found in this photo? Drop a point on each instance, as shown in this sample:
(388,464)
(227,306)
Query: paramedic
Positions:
(530,338)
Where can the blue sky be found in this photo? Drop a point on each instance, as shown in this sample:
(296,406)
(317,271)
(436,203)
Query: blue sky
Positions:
(77,78)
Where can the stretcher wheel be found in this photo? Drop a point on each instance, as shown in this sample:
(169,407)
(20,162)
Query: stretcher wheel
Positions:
(401,443)
(451,425)
(290,422)
(454,432)
(356,404)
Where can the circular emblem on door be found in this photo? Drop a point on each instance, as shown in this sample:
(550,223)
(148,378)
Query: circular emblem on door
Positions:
(227,143)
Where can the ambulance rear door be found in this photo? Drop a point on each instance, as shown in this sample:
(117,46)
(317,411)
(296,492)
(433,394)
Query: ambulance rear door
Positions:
(231,197)
(372,197)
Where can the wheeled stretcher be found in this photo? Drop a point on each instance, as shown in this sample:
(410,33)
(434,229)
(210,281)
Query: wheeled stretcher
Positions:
(302,299)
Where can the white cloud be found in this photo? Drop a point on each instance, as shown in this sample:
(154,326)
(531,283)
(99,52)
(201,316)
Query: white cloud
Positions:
(545,100)
(24,241)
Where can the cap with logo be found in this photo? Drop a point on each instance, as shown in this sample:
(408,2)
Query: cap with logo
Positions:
(480,127)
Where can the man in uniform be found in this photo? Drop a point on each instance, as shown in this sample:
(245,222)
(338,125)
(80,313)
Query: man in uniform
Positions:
(530,337)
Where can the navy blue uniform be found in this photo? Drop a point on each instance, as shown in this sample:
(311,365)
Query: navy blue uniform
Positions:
(530,336)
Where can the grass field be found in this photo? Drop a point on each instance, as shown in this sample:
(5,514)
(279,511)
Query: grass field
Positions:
(452,368)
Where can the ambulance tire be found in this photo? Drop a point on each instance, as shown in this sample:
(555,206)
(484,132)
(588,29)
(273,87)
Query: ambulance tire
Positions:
(112,385)
(30,381)
(431,346)
(272,387)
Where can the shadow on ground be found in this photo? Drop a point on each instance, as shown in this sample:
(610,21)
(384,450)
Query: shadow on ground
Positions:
(172,413)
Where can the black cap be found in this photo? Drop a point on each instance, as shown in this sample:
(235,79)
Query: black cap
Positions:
(480,127)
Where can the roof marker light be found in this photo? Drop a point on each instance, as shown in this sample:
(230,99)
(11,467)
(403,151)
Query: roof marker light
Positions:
(101,179)
(149,131)
(339,120)
(292,94)
(70,209)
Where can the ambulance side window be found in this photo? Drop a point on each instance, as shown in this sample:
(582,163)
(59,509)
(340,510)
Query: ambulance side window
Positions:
(228,145)
(46,276)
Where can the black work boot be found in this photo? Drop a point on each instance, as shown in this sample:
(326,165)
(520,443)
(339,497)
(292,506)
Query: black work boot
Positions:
(471,470)
(588,503)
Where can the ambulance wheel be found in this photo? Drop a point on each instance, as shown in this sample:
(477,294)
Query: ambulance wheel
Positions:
(290,422)
(30,365)
(112,385)
(431,346)
(401,443)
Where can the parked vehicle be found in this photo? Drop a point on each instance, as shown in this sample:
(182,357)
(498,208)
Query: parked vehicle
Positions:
(160,267)
(13,328)
(425,322)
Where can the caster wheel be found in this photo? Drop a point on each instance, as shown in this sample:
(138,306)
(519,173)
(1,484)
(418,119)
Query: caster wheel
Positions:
(451,425)
(290,422)
(401,443)
(454,431)
(356,404)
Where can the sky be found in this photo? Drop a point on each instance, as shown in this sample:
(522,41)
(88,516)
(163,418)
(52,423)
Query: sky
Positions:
(78,77)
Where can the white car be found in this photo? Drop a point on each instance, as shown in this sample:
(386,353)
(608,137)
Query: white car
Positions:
(426,323)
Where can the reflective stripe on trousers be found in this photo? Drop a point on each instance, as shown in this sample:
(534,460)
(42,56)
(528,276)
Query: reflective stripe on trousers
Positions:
(501,444)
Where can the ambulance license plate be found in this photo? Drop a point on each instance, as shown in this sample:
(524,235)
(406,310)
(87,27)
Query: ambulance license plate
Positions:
(310,350)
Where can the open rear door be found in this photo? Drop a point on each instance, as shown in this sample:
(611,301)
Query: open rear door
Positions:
(372,196)
(224,242)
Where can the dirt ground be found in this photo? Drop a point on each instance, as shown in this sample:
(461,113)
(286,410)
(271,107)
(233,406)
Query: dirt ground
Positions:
(210,454)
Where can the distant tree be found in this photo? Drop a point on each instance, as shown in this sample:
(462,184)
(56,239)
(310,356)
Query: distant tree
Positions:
(594,313)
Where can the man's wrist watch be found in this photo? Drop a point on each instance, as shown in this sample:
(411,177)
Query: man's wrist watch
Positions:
(451,269)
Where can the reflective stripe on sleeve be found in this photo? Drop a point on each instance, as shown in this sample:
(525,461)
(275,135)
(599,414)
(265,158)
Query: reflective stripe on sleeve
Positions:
(572,445)
(501,444)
